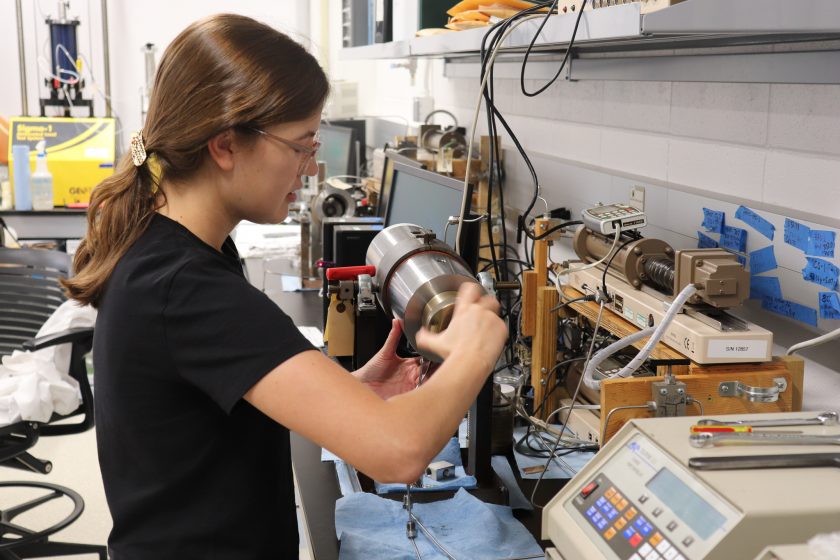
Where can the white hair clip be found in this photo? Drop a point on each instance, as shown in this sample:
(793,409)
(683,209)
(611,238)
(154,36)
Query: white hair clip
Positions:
(138,148)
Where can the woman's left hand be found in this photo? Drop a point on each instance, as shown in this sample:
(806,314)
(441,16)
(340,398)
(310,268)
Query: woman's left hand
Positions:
(386,373)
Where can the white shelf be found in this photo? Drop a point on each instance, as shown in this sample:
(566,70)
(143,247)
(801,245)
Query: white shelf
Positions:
(395,49)
(691,23)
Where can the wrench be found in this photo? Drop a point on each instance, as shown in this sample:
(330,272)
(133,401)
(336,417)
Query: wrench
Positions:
(765,461)
(822,419)
(705,439)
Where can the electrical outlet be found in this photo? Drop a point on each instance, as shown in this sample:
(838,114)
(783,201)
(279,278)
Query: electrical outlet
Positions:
(637,197)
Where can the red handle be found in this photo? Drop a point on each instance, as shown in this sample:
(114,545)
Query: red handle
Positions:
(349,272)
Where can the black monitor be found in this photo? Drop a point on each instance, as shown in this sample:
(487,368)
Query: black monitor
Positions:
(337,150)
(391,156)
(425,198)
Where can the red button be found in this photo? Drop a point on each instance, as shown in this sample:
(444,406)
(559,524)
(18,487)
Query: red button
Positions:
(588,489)
(635,540)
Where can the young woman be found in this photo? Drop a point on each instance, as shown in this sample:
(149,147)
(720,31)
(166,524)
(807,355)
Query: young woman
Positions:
(199,376)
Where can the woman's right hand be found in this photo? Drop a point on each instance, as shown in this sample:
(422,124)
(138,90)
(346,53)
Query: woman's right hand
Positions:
(475,328)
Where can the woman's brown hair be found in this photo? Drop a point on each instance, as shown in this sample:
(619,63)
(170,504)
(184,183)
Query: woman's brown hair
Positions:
(223,72)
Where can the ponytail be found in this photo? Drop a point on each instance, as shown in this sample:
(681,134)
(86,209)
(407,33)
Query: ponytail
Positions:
(120,210)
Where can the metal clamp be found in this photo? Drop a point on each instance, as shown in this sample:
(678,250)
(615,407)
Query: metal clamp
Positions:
(753,394)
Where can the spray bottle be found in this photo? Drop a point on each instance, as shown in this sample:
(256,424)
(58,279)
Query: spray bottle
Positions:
(41,183)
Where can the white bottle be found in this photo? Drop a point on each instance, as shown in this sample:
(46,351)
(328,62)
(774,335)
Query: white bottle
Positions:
(41,182)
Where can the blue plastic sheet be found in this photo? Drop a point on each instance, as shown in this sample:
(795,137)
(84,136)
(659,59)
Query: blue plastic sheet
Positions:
(559,468)
(515,496)
(373,528)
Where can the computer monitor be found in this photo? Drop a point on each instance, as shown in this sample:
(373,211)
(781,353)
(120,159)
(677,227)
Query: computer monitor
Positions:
(425,198)
(391,156)
(359,145)
(337,150)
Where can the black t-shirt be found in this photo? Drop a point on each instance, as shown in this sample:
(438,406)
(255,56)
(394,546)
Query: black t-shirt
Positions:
(191,470)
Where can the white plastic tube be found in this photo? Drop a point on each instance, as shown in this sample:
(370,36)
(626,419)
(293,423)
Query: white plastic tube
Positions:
(814,342)
(626,371)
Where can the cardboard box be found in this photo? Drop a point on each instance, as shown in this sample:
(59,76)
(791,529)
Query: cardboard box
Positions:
(80,152)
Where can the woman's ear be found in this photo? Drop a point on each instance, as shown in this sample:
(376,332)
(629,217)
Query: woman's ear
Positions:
(221,149)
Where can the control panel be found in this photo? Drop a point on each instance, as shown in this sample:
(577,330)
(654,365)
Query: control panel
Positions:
(638,498)
(644,505)
(604,219)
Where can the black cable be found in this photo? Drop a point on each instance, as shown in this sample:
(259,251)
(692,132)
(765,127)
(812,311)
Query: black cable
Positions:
(551,230)
(565,58)
(568,363)
(6,228)
(497,31)
(575,300)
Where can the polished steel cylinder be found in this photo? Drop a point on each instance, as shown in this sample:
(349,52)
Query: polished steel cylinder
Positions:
(417,278)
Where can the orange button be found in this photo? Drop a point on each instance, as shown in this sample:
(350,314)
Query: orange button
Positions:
(609,533)
(621,505)
(655,539)
(630,513)
(620,523)
(609,493)
(615,499)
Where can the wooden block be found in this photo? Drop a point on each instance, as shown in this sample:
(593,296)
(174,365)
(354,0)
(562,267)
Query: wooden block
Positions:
(541,252)
(340,329)
(529,303)
(544,350)
(702,384)
(796,367)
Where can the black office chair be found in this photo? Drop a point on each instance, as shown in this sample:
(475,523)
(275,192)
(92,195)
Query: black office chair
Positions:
(29,294)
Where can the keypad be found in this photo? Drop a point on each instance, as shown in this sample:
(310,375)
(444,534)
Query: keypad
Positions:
(630,533)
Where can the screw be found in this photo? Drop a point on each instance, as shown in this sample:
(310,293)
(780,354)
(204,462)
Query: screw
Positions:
(643,260)
(669,251)
(637,251)
(724,389)
(543,370)
(636,283)
(663,391)
(699,263)
(681,391)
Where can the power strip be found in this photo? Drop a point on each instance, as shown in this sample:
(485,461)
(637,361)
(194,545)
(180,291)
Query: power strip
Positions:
(647,6)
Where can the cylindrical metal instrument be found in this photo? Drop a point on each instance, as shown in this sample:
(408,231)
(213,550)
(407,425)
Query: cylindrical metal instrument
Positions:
(417,277)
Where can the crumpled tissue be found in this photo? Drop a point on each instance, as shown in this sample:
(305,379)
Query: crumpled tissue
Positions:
(33,385)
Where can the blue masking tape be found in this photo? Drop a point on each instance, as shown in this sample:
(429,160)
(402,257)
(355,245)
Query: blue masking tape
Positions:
(705,242)
(790,309)
(765,286)
(829,305)
(713,220)
(763,260)
(743,260)
(797,234)
(821,243)
(821,272)
(755,221)
(734,238)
